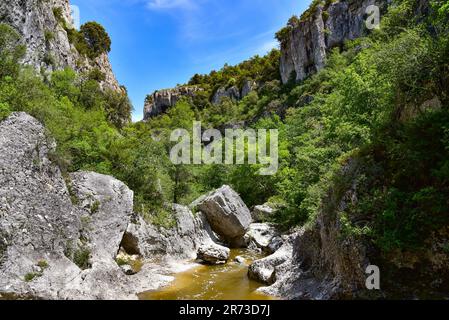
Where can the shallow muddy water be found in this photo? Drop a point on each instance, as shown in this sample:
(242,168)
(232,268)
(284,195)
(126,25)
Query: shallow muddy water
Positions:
(225,282)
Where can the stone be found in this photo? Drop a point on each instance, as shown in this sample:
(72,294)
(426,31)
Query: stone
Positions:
(240,260)
(322,264)
(42,231)
(275,244)
(248,87)
(107,205)
(213,254)
(262,213)
(179,243)
(263,270)
(128,270)
(37,218)
(232,93)
(260,235)
(227,214)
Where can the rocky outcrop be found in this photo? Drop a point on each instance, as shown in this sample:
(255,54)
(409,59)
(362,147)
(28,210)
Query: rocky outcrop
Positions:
(58,242)
(227,214)
(213,254)
(47,43)
(107,206)
(161,100)
(260,236)
(248,87)
(178,243)
(327,26)
(325,263)
(264,270)
(32,197)
(232,93)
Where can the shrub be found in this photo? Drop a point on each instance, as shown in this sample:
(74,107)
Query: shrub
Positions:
(42,264)
(81,258)
(11,51)
(30,276)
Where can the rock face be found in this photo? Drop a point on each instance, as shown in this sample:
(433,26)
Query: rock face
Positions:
(107,208)
(324,264)
(260,236)
(227,214)
(264,270)
(305,50)
(232,93)
(158,102)
(58,242)
(180,242)
(213,254)
(32,197)
(248,87)
(35,21)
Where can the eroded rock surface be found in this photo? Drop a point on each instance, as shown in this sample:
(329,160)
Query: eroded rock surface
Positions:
(227,214)
(305,50)
(213,254)
(261,235)
(181,242)
(51,247)
(263,270)
(47,43)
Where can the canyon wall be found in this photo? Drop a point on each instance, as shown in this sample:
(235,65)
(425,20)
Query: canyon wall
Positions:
(323,27)
(43,28)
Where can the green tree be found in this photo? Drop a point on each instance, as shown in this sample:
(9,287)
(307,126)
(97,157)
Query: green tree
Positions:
(97,39)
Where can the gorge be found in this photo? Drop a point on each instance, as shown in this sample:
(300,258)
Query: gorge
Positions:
(92,208)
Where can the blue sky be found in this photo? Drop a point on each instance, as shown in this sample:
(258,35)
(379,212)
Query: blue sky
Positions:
(158,44)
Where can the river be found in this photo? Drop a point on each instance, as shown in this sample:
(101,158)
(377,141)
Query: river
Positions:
(223,282)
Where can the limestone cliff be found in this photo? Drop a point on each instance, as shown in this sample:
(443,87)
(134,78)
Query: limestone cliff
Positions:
(158,102)
(323,27)
(43,26)
(59,238)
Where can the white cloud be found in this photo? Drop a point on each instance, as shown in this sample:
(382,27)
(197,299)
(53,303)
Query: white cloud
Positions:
(170,4)
(267,47)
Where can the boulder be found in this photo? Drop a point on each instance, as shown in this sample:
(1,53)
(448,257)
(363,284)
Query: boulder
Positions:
(37,219)
(263,213)
(260,235)
(240,260)
(213,254)
(263,270)
(107,206)
(56,244)
(179,243)
(227,214)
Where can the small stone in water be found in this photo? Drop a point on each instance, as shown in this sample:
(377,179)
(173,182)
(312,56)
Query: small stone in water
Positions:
(239,260)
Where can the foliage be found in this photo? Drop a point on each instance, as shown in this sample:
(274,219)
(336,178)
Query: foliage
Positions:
(97,39)
(369,105)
